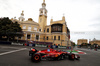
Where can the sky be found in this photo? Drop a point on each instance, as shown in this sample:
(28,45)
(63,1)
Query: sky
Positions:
(82,16)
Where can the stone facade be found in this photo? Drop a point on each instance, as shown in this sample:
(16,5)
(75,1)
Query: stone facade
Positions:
(80,41)
(57,32)
(95,42)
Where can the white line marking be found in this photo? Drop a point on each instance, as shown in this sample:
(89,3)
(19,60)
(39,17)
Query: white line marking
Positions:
(11,47)
(11,51)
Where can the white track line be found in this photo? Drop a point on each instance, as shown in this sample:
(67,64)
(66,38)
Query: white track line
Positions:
(12,51)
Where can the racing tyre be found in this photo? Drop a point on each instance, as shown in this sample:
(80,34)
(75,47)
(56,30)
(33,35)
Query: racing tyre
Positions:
(72,57)
(36,58)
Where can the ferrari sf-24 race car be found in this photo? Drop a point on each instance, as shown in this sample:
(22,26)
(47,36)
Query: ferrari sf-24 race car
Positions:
(51,54)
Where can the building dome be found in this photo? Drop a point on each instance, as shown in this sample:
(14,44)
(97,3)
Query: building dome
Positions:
(43,4)
(94,39)
(30,19)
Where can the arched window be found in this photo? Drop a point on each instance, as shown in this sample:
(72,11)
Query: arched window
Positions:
(47,38)
(58,37)
(54,37)
(28,36)
(37,37)
(47,29)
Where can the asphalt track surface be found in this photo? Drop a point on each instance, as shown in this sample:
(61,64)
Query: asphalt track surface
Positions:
(18,56)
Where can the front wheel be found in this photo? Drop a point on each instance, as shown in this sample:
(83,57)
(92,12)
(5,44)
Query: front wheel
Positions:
(71,57)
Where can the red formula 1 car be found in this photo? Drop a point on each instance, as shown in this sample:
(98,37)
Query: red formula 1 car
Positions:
(50,54)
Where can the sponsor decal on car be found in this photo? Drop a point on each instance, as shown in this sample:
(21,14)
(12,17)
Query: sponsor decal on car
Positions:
(76,52)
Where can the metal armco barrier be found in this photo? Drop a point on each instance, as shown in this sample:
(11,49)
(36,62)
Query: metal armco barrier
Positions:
(62,47)
(38,45)
(14,43)
(5,43)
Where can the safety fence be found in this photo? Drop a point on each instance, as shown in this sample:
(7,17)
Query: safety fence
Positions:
(5,43)
(49,46)
(33,44)
(40,45)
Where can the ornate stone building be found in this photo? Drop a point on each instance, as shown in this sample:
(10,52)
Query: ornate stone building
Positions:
(80,41)
(56,33)
(94,41)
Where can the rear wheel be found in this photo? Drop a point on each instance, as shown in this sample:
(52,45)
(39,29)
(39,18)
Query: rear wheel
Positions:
(36,58)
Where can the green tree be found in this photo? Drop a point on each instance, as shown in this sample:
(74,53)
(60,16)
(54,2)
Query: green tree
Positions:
(9,29)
